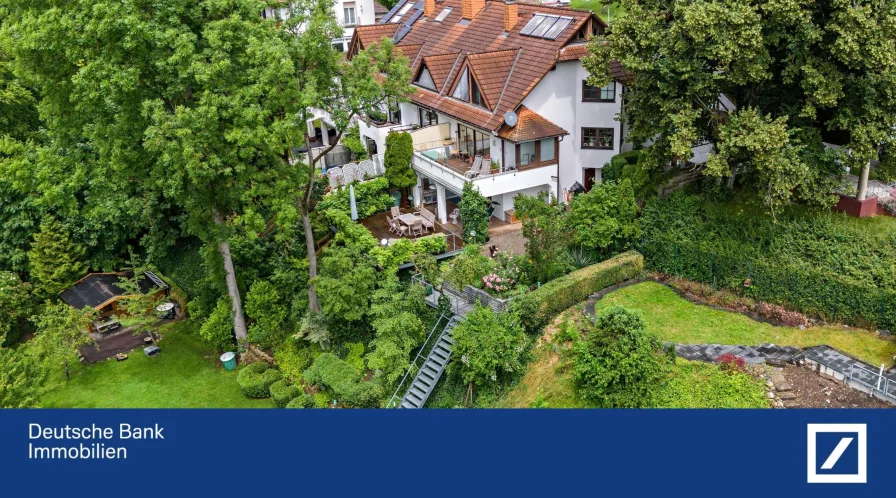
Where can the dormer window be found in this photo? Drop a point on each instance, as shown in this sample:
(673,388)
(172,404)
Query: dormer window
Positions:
(468,90)
(424,79)
(475,94)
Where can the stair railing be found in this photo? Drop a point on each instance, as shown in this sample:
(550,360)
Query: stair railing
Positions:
(392,401)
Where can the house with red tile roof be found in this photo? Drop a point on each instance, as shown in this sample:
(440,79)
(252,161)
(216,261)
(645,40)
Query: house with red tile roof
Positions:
(349,14)
(502,99)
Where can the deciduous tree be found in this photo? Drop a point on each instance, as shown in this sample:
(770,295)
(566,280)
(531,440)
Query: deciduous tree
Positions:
(61,332)
(764,80)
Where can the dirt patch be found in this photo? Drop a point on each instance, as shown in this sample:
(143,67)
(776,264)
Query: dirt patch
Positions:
(811,390)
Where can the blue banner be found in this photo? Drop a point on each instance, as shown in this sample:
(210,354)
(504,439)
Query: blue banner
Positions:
(447,452)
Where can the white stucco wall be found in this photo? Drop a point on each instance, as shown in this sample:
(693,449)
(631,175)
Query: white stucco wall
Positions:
(558,97)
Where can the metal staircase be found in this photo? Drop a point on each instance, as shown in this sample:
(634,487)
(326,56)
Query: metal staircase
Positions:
(429,373)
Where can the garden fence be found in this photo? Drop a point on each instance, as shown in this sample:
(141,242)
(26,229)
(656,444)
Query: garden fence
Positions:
(809,290)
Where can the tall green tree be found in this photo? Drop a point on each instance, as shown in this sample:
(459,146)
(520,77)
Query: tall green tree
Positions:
(395,313)
(397,161)
(184,106)
(474,214)
(606,216)
(343,90)
(790,72)
(21,376)
(488,347)
(55,261)
(61,332)
(16,304)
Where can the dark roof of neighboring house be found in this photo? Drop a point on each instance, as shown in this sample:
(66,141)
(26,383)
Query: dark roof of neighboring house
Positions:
(530,126)
(99,289)
(507,65)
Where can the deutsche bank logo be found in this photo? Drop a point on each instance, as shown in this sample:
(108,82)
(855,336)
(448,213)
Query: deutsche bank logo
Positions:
(837,453)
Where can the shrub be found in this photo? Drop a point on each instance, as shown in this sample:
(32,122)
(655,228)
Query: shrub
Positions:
(671,354)
(283,391)
(255,380)
(343,379)
(613,169)
(397,160)
(294,356)
(217,329)
(617,366)
(561,293)
(371,197)
(301,401)
(268,312)
(525,307)
(818,263)
(730,363)
(488,346)
(355,354)
(474,215)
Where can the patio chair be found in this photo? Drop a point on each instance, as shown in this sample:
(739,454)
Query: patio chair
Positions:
(429,220)
(399,227)
(396,212)
(417,227)
(476,170)
(391,222)
(454,215)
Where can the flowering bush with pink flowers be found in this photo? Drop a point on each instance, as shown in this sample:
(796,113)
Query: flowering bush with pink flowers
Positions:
(504,278)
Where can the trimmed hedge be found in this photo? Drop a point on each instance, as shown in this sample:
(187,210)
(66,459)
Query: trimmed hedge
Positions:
(343,379)
(301,401)
(813,291)
(255,380)
(564,292)
(283,391)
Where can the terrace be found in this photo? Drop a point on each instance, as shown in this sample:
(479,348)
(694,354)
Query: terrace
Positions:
(378,225)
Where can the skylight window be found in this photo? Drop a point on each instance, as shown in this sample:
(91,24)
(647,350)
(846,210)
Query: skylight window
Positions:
(442,15)
(404,10)
(545,26)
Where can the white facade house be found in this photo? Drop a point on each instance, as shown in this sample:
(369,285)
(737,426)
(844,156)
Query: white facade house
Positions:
(501,101)
(349,14)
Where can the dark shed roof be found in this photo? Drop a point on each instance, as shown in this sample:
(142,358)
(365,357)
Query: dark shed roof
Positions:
(97,289)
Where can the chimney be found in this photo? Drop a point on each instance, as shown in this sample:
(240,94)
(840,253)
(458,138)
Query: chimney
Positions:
(429,8)
(511,15)
(469,8)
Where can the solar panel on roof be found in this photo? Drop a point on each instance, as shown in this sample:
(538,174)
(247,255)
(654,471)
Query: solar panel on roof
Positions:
(557,28)
(544,26)
(533,23)
(407,26)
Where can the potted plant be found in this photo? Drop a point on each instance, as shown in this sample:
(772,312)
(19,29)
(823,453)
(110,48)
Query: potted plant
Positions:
(495,167)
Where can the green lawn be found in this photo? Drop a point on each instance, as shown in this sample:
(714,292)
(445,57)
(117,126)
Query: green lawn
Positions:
(548,380)
(675,319)
(186,375)
(598,8)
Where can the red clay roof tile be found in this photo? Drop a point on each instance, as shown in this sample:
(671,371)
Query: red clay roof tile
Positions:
(530,126)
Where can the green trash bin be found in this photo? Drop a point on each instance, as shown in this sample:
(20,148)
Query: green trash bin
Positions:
(229,361)
(396,199)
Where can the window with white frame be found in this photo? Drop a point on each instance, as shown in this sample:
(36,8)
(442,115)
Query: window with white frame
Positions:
(348,9)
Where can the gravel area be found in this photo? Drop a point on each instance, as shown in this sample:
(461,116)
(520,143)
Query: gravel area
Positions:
(803,388)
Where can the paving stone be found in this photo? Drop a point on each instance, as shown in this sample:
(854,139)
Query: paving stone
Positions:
(787,396)
(783,387)
(791,404)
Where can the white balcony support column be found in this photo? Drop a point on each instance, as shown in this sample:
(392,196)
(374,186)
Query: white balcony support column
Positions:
(310,124)
(418,192)
(324,136)
(441,203)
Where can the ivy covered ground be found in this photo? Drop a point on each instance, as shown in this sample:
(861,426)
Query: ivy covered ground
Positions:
(548,380)
(187,374)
